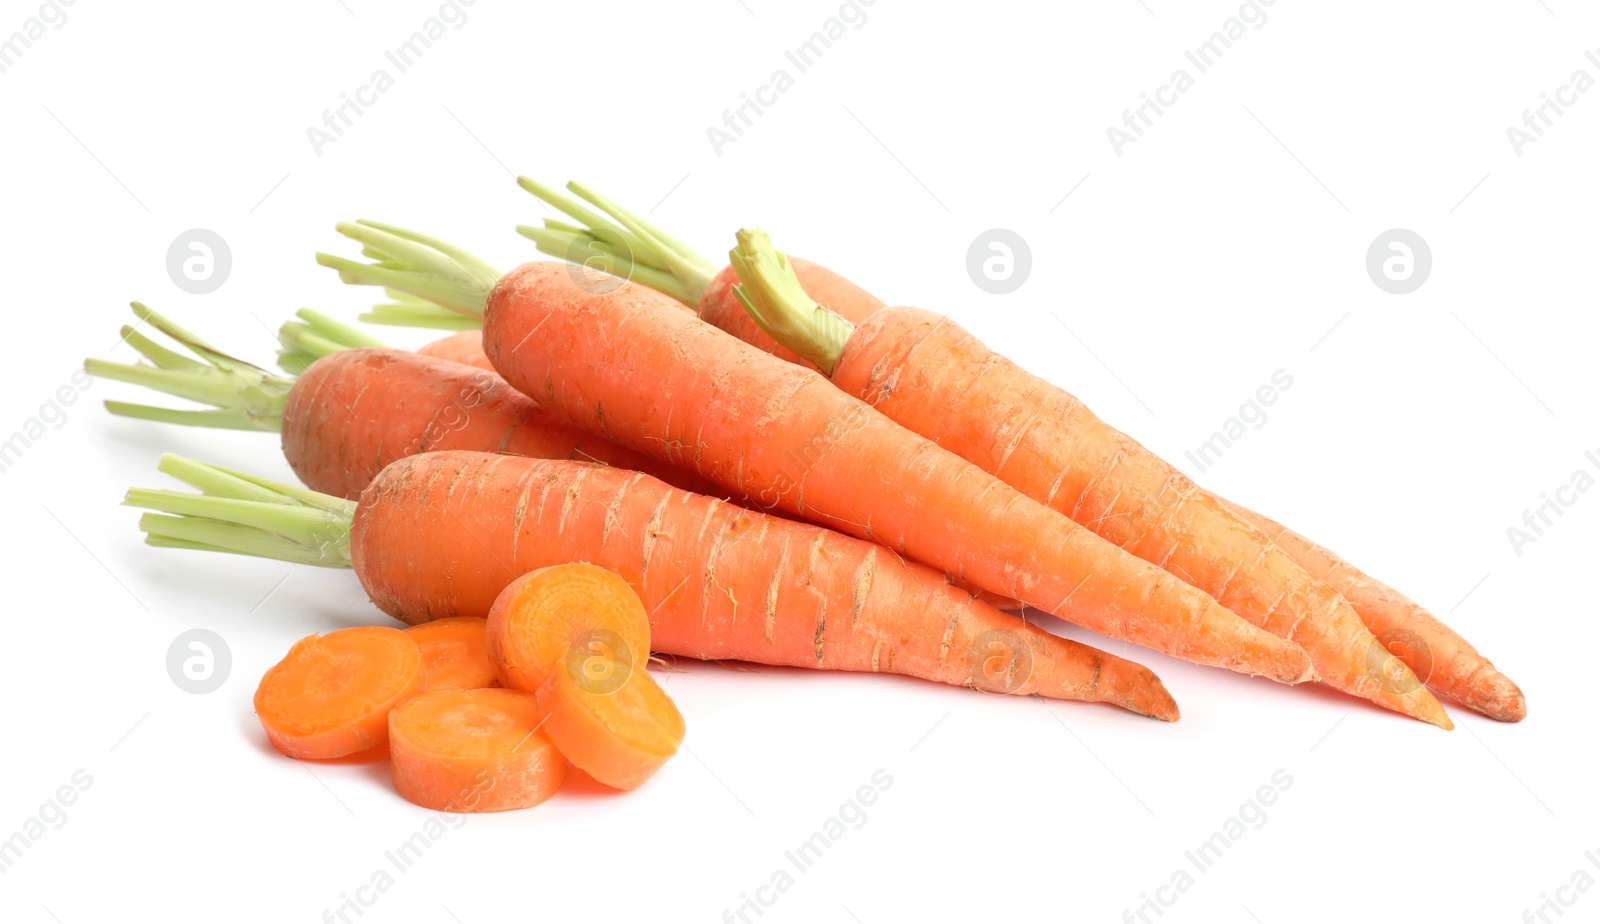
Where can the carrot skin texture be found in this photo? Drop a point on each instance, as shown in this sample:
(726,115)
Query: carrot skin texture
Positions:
(1443,659)
(472,751)
(354,411)
(927,373)
(636,370)
(719,581)
(720,308)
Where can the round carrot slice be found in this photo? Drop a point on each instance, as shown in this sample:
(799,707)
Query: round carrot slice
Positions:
(472,751)
(621,735)
(455,653)
(546,614)
(331,694)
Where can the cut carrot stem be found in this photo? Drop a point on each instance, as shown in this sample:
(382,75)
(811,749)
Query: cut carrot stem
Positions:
(473,751)
(718,581)
(562,611)
(455,653)
(620,736)
(331,694)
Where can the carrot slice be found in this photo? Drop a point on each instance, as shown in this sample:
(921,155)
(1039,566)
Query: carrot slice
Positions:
(331,694)
(546,614)
(472,751)
(455,653)
(620,736)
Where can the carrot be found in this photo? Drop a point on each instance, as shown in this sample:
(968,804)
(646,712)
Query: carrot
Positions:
(354,410)
(331,694)
(1442,659)
(547,615)
(923,370)
(656,259)
(620,737)
(442,534)
(692,423)
(455,653)
(473,751)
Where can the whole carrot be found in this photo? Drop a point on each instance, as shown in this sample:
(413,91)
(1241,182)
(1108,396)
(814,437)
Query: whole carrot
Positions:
(442,534)
(631,366)
(1420,642)
(924,371)
(1107,590)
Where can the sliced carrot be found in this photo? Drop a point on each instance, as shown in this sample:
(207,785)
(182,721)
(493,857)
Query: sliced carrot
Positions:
(545,615)
(331,694)
(455,653)
(472,751)
(620,736)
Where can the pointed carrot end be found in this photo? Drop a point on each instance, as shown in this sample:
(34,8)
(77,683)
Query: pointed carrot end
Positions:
(1496,696)
(1135,688)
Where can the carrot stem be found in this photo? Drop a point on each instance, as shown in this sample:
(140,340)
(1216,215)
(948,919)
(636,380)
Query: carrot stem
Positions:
(242,396)
(313,335)
(629,246)
(775,300)
(245,515)
(425,268)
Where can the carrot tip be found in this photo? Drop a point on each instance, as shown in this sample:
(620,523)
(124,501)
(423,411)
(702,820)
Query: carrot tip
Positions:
(1496,696)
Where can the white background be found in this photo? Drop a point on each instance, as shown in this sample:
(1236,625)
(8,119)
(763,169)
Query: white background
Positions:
(1226,244)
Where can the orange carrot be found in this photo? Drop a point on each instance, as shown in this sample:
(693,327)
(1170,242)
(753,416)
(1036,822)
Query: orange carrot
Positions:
(559,611)
(1441,658)
(331,694)
(656,383)
(352,411)
(620,736)
(627,365)
(473,751)
(455,653)
(442,534)
(924,371)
